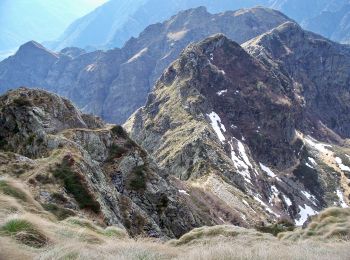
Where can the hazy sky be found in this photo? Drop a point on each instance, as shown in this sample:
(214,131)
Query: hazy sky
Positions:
(39,20)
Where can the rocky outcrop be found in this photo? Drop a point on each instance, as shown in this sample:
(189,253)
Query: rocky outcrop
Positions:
(236,123)
(320,69)
(113,84)
(74,163)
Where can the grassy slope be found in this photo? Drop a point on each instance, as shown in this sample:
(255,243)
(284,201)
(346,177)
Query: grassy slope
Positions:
(28,231)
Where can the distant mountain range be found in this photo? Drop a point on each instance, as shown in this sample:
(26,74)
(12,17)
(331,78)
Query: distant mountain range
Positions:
(112,24)
(99,80)
(23,20)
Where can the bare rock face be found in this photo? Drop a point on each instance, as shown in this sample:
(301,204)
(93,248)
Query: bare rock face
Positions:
(76,164)
(113,84)
(241,125)
(318,66)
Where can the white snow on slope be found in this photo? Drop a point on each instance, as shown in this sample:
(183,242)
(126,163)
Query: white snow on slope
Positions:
(137,55)
(304,213)
(221,92)
(267,170)
(317,145)
(243,154)
(90,68)
(222,72)
(241,161)
(217,125)
(265,206)
(184,192)
(341,199)
(310,197)
(341,165)
(275,193)
(308,165)
(287,200)
(312,161)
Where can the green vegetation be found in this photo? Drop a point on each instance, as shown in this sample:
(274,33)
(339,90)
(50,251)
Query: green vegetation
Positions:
(22,102)
(119,131)
(12,191)
(109,231)
(58,197)
(138,178)
(16,225)
(73,183)
(31,139)
(60,212)
(116,151)
(3,143)
(276,228)
(24,232)
(44,179)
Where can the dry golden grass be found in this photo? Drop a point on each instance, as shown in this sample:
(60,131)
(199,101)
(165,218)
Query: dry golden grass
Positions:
(76,238)
(331,224)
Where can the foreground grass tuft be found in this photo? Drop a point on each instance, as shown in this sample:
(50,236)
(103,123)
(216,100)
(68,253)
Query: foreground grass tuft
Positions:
(24,232)
(333,223)
(112,232)
(9,190)
(60,212)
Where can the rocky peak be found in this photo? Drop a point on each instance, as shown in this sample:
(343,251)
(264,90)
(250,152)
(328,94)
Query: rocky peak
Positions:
(320,69)
(29,115)
(221,115)
(33,49)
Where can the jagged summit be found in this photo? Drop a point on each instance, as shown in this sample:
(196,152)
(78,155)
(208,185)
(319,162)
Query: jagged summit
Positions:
(319,68)
(33,48)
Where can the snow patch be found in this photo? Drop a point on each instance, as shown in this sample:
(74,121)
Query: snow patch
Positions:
(341,165)
(308,165)
(287,200)
(211,56)
(267,170)
(310,197)
(184,192)
(305,212)
(312,161)
(341,199)
(90,68)
(217,125)
(222,72)
(243,154)
(221,92)
(275,193)
(241,161)
(317,145)
(137,55)
(245,202)
(265,206)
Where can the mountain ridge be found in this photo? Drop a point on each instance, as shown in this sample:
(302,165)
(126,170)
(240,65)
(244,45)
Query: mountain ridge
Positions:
(96,81)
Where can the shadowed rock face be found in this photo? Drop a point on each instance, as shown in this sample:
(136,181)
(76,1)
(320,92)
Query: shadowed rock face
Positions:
(320,70)
(74,161)
(115,83)
(244,118)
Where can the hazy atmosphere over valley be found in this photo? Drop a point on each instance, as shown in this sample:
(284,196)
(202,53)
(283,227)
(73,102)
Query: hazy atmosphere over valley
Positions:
(179,129)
